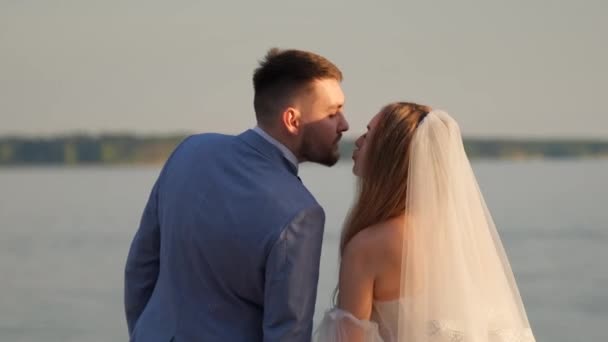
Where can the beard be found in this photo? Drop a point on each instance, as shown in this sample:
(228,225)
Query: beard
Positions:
(315,149)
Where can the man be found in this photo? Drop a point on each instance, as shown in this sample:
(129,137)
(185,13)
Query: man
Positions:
(229,243)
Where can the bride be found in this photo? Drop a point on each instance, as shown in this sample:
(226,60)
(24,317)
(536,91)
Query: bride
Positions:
(421,259)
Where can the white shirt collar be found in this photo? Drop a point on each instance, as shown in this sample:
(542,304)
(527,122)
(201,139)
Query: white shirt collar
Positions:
(286,152)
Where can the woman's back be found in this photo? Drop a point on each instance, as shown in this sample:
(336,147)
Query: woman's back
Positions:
(385,247)
(375,252)
(386,243)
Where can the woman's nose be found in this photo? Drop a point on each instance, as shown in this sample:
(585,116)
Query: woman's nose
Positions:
(358,142)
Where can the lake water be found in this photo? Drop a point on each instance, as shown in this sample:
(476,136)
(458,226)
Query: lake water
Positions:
(64,235)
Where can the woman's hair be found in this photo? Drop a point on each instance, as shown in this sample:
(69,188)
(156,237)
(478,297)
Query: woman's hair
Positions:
(382,186)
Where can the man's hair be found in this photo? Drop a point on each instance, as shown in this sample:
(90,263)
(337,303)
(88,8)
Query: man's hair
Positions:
(283,73)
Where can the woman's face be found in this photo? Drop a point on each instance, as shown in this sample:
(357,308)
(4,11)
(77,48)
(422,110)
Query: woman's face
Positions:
(360,154)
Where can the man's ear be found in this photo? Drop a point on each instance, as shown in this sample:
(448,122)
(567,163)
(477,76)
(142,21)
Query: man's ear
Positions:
(292,120)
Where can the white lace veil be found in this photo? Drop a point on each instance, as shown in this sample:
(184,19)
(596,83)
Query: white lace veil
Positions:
(456,281)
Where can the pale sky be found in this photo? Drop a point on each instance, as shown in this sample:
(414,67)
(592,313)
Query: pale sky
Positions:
(510,69)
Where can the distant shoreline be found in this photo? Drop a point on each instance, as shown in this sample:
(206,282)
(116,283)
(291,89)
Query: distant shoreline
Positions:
(125,149)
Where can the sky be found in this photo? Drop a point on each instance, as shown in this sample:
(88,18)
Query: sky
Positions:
(516,69)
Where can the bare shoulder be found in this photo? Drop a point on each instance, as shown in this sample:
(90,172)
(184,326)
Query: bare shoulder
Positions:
(388,239)
(377,244)
(368,257)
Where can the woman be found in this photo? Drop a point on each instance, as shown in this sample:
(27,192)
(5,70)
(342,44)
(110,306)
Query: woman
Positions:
(420,256)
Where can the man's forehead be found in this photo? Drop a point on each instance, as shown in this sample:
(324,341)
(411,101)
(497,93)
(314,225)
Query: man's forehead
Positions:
(337,102)
(337,95)
(330,91)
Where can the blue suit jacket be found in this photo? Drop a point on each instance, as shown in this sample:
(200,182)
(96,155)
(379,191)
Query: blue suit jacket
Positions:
(228,247)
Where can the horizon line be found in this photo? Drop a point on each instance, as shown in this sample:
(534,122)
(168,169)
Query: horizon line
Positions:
(82,133)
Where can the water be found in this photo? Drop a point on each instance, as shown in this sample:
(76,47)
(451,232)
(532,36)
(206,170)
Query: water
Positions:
(64,235)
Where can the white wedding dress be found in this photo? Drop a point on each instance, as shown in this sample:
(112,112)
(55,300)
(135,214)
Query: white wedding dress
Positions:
(338,325)
(456,282)
(383,326)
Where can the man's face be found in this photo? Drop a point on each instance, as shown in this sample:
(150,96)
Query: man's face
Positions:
(322,122)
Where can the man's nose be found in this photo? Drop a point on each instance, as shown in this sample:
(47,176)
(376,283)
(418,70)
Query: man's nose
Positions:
(344,124)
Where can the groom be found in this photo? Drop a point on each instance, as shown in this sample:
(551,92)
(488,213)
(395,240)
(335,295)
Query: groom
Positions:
(229,243)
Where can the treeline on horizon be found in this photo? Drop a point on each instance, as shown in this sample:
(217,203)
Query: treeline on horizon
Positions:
(133,149)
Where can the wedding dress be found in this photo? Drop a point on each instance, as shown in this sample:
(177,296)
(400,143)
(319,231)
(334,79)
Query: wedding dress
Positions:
(456,281)
(383,326)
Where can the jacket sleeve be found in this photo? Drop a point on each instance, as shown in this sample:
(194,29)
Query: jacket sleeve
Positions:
(141,271)
(292,274)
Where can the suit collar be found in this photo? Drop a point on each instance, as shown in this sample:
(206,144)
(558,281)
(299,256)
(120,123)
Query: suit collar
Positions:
(286,152)
(266,148)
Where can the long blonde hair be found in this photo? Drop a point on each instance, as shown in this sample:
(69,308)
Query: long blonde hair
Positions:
(383,186)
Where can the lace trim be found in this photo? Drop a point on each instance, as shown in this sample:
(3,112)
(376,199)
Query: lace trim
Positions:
(445,331)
